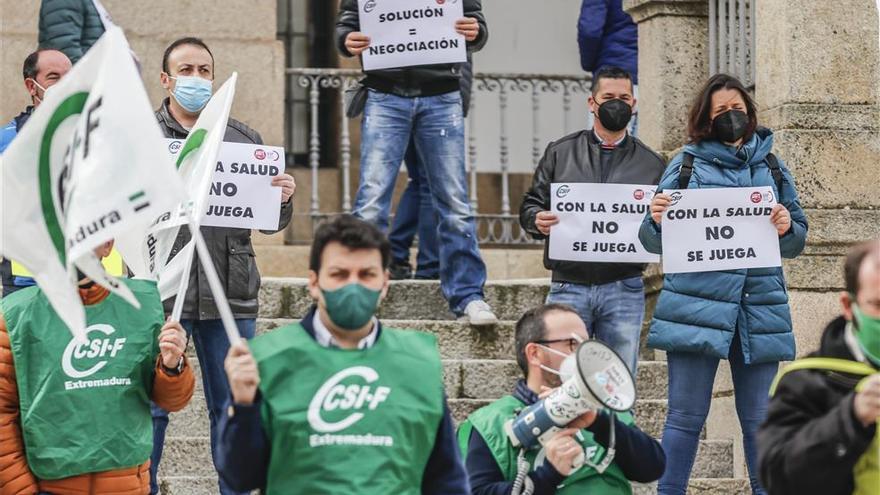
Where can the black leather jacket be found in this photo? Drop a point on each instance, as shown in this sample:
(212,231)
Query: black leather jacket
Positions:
(422,80)
(231,249)
(576,158)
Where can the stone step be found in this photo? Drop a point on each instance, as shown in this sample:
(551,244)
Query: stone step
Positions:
(192,421)
(191,456)
(207,485)
(492,379)
(411,299)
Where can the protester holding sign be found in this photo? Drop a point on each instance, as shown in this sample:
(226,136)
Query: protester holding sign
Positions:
(821,431)
(339,403)
(422,102)
(187,75)
(742,314)
(75,418)
(609,296)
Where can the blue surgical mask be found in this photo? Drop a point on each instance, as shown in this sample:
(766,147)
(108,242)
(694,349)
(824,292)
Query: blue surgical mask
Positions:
(192,92)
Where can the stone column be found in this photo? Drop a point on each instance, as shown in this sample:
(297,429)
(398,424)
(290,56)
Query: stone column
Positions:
(673,64)
(817,87)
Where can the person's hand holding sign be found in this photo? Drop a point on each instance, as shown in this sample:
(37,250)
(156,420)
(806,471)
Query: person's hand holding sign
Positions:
(356,42)
(544,220)
(466,26)
(781,219)
(172,344)
(287,184)
(659,204)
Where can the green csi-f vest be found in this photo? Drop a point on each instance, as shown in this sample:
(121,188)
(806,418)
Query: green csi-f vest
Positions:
(489,422)
(349,421)
(866,473)
(85,408)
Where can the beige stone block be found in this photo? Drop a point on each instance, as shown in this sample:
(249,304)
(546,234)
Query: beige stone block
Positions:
(832,169)
(282,261)
(526,263)
(810,313)
(14,48)
(673,63)
(723,424)
(18,16)
(496,263)
(260,239)
(832,231)
(814,272)
(805,48)
(229,19)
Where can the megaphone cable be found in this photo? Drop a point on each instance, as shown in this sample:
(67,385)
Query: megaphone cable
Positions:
(522,472)
(608,458)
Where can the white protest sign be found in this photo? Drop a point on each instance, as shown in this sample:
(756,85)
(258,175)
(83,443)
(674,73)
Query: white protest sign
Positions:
(411,32)
(242,195)
(599,222)
(719,229)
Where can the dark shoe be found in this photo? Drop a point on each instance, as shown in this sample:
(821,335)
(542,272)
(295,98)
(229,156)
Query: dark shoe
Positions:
(400,270)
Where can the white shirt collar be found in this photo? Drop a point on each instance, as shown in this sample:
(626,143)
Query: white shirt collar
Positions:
(852,344)
(326,339)
(615,143)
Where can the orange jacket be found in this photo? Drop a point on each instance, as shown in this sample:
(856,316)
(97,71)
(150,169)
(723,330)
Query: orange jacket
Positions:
(172,393)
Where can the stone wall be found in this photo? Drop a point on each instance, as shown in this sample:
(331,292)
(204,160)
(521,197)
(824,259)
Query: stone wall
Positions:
(240,34)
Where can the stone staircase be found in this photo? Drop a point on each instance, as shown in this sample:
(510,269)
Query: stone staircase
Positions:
(478,368)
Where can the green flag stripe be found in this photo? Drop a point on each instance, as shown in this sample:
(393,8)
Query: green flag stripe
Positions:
(192,144)
(73,105)
(136,196)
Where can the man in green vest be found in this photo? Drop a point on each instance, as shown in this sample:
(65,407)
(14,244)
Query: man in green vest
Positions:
(338,403)
(820,436)
(75,417)
(544,337)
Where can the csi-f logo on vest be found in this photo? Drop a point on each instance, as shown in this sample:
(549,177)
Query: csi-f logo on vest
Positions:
(344,398)
(81,361)
(84,360)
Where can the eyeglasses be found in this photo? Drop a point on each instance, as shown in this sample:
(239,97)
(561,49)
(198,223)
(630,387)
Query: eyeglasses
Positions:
(572,343)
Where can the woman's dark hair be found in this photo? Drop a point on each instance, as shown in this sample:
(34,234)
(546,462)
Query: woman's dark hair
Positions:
(699,126)
(351,233)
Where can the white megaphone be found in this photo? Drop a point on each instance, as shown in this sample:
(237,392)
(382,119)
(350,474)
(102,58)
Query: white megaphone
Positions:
(594,377)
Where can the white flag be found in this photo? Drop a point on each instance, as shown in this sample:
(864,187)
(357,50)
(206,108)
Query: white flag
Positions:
(195,162)
(88,167)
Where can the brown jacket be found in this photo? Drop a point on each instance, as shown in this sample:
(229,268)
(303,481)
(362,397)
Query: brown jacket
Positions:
(172,393)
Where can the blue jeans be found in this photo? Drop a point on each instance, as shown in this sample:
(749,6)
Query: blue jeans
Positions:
(415,213)
(613,312)
(691,377)
(211,345)
(436,127)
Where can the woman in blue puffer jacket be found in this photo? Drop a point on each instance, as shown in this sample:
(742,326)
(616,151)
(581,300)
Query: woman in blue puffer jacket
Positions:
(739,315)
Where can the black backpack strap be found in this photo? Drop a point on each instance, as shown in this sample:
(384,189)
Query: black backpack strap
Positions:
(686,170)
(775,171)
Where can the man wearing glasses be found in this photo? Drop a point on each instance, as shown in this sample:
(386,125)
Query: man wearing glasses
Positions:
(544,337)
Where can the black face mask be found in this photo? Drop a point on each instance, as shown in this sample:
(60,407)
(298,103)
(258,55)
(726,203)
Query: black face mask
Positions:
(615,114)
(730,126)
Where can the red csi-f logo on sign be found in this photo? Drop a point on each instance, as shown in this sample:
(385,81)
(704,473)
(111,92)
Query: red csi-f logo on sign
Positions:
(757,197)
(441,2)
(259,154)
(639,195)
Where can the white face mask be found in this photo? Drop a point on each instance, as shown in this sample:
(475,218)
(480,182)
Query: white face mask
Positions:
(44,90)
(568,368)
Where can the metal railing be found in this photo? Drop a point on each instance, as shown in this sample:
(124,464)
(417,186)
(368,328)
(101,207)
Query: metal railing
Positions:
(732,39)
(497,219)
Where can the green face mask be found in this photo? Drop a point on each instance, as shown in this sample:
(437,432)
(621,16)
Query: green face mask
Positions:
(350,307)
(867,333)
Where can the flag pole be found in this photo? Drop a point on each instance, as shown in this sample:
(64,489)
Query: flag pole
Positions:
(216,287)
